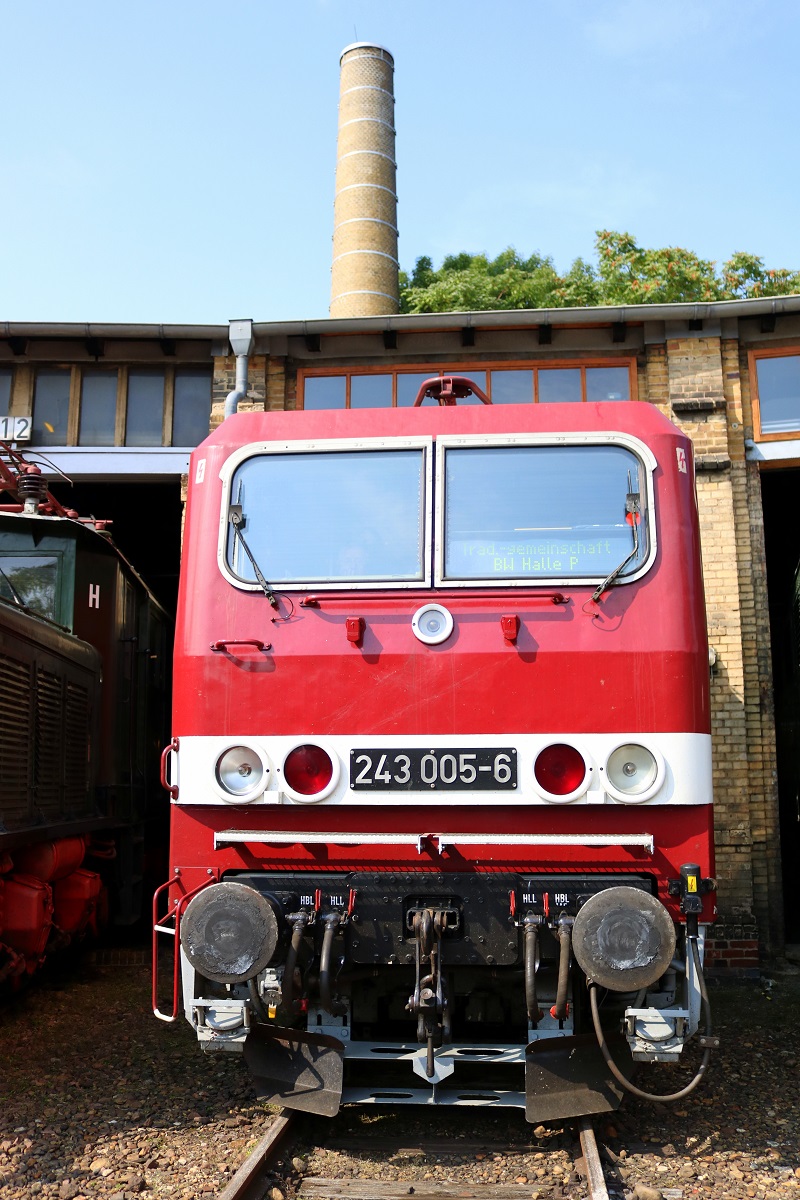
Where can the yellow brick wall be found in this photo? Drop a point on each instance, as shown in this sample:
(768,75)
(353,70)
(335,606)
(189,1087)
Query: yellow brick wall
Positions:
(708,370)
(759,702)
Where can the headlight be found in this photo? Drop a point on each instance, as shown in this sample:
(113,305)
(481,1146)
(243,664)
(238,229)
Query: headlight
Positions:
(633,772)
(432,624)
(241,774)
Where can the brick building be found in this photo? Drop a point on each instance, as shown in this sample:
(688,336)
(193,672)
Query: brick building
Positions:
(118,408)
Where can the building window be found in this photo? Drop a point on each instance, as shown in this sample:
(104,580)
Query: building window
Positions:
(371,391)
(506,384)
(5,390)
(98,408)
(191,407)
(512,387)
(51,406)
(776,394)
(144,423)
(607,383)
(560,386)
(325,391)
(408,384)
(131,406)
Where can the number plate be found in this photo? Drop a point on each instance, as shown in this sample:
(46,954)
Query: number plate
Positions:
(485,770)
(15,429)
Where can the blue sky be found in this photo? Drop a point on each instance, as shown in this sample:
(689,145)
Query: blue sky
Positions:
(174,162)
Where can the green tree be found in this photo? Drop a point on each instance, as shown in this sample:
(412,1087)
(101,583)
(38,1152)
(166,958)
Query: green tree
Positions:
(631,275)
(744,277)
(625,273)
(467,282)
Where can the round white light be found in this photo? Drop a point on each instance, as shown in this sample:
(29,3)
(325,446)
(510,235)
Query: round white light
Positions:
(432,624)
(634,773)
(241,774)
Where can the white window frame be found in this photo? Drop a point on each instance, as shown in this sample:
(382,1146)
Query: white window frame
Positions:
(317,446)
(447,441)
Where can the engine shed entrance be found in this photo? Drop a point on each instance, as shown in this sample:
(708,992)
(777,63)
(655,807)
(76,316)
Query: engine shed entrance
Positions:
(145,524)
(780,490)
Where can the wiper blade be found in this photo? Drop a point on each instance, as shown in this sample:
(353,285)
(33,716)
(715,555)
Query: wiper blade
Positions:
(237,519)
(633,504)
(14,593)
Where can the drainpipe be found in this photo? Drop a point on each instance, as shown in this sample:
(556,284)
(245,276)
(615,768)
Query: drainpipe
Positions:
(240,335)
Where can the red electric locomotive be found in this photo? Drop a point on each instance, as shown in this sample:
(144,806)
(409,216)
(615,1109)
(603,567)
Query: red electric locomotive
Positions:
(441,766)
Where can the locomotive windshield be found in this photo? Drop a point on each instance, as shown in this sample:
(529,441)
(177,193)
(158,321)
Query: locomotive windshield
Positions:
(526,512)
(331,516)
(30,580)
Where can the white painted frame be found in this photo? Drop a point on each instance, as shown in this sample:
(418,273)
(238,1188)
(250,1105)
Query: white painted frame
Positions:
(332,446)
(625,441)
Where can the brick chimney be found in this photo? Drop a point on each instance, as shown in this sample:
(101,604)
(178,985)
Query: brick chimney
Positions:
(364,274)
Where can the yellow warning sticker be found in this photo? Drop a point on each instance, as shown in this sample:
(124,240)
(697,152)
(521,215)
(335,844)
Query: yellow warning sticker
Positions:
(691,883)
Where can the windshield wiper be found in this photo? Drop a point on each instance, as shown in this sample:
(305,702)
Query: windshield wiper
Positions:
(633,503)
(14,593)
(237,520)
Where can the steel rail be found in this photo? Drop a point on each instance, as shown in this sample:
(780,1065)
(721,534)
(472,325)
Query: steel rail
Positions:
(248,1183)
(591,1160)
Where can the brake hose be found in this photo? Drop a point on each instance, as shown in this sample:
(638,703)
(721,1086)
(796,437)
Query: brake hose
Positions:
(562,990)
(299,922)
(330,925)
(531,943)
(614,1069)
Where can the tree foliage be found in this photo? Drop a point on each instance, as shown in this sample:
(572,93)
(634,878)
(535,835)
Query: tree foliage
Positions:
(625,273)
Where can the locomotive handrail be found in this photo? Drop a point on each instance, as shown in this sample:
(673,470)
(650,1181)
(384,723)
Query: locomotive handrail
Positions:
(158,927)
(229,837)
(223,643)
(172,788)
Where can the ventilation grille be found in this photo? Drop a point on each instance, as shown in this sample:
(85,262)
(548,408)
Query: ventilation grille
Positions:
(15,736)
(48,743)
(77,727)
(45,730)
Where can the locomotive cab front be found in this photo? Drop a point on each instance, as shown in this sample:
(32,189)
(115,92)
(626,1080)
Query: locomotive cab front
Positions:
(441,774)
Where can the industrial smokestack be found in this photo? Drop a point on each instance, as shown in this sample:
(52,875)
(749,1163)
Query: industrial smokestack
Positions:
(364,277)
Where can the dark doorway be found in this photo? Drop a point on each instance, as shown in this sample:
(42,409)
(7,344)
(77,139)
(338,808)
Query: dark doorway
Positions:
(146,526)
(780,492)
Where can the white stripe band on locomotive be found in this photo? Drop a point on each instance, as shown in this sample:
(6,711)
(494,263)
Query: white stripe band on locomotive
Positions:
(471,769)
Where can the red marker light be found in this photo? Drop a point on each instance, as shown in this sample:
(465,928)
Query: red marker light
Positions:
(308,769)
(559,769)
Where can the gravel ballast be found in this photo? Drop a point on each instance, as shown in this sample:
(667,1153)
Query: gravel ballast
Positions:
(98,1099)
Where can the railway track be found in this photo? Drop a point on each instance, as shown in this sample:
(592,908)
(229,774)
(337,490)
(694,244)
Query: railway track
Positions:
(251,1181)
